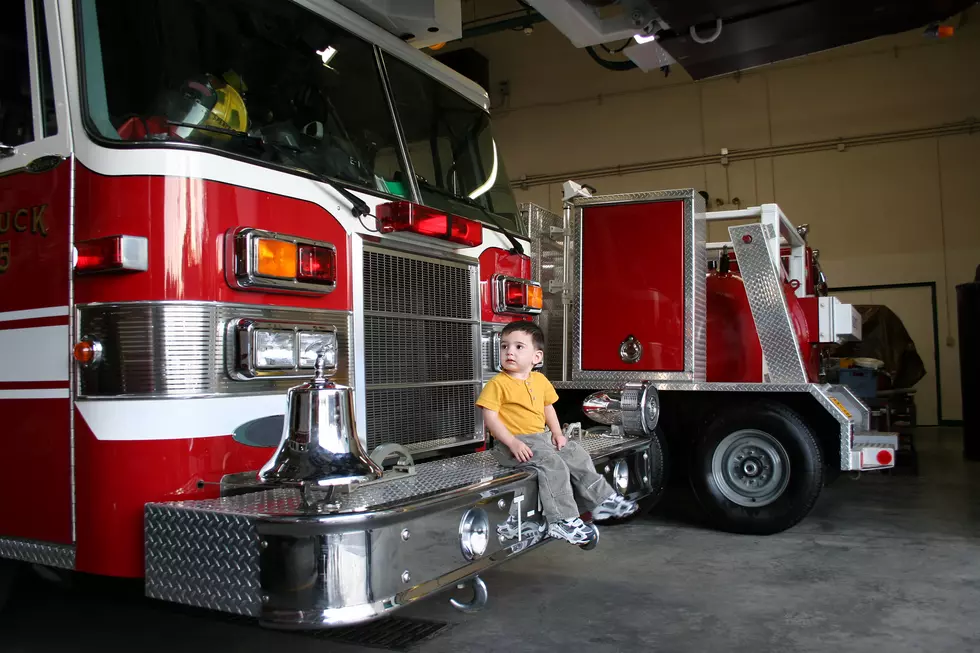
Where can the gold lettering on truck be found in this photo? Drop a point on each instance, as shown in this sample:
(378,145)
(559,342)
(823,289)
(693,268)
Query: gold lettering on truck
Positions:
(17,223)
(25,220)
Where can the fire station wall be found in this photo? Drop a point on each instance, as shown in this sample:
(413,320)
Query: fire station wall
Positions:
(898,208)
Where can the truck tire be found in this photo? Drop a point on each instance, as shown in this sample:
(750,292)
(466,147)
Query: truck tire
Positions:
(757,470)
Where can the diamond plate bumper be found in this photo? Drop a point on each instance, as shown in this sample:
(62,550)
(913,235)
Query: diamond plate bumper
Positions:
(263,554)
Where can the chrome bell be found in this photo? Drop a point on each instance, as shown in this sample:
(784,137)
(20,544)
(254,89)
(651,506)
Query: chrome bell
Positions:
(319,446)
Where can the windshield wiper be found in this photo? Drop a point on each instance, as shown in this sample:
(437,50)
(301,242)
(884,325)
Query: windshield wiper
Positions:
(359,207)
(516,248)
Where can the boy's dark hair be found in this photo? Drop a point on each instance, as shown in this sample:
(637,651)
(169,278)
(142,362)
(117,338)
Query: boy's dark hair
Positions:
(530,328)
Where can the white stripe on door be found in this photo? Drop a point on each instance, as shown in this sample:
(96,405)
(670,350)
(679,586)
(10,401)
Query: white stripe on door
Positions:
(35,354)
(33,313)
(36,393)
(175,419)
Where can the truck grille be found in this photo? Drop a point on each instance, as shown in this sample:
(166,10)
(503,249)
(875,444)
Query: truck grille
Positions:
(416,416)
(416,286)
(421,340)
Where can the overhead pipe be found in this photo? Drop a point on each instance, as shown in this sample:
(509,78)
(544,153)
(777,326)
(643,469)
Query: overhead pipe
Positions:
(964,127)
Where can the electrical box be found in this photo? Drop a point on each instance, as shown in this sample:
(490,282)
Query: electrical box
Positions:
(838,322)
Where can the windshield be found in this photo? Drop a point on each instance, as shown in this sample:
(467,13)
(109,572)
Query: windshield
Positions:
(278,84)
(269,81)
(451,147)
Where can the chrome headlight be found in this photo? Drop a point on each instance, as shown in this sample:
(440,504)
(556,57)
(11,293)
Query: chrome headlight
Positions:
(312,342)
(273,350)
(474,533)
(276,349)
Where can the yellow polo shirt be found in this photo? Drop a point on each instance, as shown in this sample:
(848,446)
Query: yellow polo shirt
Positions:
(520,403)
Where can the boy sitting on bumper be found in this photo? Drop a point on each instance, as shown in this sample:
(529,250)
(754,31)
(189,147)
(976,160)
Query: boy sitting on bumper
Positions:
(518,409)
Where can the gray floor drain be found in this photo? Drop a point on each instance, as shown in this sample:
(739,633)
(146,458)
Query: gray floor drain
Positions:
(393,633)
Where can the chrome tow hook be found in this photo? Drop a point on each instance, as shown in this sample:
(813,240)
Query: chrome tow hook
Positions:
(479,600)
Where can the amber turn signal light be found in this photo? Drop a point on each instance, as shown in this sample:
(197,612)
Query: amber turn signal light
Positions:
(276,258)
(88,351)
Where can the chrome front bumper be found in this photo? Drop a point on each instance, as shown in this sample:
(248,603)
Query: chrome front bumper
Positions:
(263,554)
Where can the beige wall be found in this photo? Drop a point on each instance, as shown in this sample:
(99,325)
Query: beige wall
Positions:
(901,210)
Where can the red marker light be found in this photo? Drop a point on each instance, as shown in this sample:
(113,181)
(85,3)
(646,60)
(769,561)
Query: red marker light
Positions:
(317,265)
(112,254)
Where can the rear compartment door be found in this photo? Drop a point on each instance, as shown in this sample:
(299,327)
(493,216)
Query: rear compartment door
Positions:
(35,275)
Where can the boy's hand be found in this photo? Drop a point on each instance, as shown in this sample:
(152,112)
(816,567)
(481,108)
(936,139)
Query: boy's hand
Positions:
(560,440)
(520,450)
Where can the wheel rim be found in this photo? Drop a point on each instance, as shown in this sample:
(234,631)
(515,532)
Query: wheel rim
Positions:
(751,468)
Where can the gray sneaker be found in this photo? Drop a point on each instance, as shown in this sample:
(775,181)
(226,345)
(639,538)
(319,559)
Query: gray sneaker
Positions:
(573,531)
(615,507)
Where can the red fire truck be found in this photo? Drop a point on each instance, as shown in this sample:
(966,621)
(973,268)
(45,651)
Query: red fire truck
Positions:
(206,204)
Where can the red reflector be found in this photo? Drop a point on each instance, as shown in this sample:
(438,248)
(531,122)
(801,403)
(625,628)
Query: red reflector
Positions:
(317,265)
(884,457)
(111,254)
(405,216)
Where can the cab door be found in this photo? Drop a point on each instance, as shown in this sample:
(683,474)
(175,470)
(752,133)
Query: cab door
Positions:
(35,279)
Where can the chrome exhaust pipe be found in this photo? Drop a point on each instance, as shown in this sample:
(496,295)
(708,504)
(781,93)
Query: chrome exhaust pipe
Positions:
(636,408)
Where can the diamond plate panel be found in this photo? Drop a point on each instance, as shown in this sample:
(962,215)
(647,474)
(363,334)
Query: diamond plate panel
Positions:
(429,478)
(203,558)
(61,556)
(822,393)
(851,401)
(698,289)
(764,288)
(548,266)
(695,290)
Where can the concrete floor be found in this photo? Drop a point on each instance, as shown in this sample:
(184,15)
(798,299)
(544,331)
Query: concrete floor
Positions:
(885,563)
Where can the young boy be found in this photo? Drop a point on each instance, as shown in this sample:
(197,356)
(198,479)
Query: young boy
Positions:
(517,408)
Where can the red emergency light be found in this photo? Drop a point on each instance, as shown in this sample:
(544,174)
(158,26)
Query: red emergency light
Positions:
(112,254)
(317,264)
(426,221)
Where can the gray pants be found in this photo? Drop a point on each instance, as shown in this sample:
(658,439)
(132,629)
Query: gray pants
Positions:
(558,473)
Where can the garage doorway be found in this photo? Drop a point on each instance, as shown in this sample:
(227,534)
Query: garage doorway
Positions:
(915,305)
